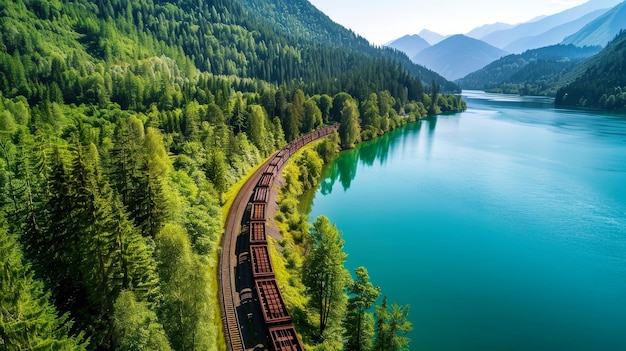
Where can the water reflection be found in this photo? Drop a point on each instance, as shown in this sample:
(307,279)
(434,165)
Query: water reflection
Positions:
(344,168)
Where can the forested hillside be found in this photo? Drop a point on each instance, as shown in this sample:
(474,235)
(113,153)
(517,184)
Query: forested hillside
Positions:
(534,72)
(122,125)
(302,20)
(603,83)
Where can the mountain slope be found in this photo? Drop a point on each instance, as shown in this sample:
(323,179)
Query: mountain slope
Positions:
(483,31)
(502,38)
(603,82)
(534,72)
(602,30)
(305,23)
(431,37)
(411,45)
(457,56)
(554,35)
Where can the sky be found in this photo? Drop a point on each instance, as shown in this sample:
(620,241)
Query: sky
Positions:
(381,21)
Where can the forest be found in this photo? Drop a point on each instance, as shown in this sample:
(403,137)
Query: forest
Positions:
(536,72)
(603,83)
(123,124)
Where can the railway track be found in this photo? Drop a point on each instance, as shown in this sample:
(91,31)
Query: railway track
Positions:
(246,278)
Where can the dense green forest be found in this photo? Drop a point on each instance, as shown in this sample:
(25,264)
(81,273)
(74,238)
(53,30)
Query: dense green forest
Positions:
(533,72)
(603,83)
(123,123)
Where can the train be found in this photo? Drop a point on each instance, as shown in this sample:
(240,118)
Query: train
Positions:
(280,329)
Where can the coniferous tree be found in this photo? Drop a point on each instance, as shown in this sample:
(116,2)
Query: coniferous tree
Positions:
(392,327)
(29,321)
(434,98)
(382,342)
(151,207)
(359,323)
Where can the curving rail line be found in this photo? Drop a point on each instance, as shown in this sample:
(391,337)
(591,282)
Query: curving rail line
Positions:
(254,313)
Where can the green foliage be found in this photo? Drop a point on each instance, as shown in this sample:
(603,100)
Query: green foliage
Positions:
(184,312)
(359,323)
(350,130)
(391,327)
(533,72)
(310,165)
(27,320)
(136,325)
(325,277)
(603,83)
(328,149)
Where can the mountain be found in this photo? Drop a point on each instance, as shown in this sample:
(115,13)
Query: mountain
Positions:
(457,56)
(411,45)
(502,38)
(602,30)
(602,83)
(300,20)
(554,35)
(483,31)
(431,37)
(534,72)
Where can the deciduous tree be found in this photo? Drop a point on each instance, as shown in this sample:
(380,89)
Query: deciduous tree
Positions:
(324,275)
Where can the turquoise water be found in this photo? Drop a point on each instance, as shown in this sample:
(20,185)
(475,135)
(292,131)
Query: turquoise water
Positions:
(503,227)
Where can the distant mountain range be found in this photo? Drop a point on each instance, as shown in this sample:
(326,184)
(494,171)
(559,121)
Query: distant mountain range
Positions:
(411,45)
(552,36)
(601,30)
(458,55)
(487,29)
(431,37)
(592,24)
(503,38)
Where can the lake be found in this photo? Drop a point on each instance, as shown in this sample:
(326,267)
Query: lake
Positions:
(503,227)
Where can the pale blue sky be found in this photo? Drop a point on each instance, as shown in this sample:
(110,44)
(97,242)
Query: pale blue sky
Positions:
(380,21)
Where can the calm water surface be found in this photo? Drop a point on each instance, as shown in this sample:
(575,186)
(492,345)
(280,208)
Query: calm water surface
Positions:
(503,227)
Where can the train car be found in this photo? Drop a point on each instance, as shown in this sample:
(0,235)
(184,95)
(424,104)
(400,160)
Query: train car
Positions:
(257,212)
(260,261)
(257,232)
(271,169)
(272,302)
(266,179)
(260,194)
(284,338)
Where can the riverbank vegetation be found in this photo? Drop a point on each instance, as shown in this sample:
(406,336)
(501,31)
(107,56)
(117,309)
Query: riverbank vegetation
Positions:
(330,308)
(123,124)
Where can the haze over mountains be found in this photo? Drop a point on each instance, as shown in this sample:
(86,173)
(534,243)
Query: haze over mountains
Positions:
(445,59)
(602,30)
(592,24)
(503,38)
